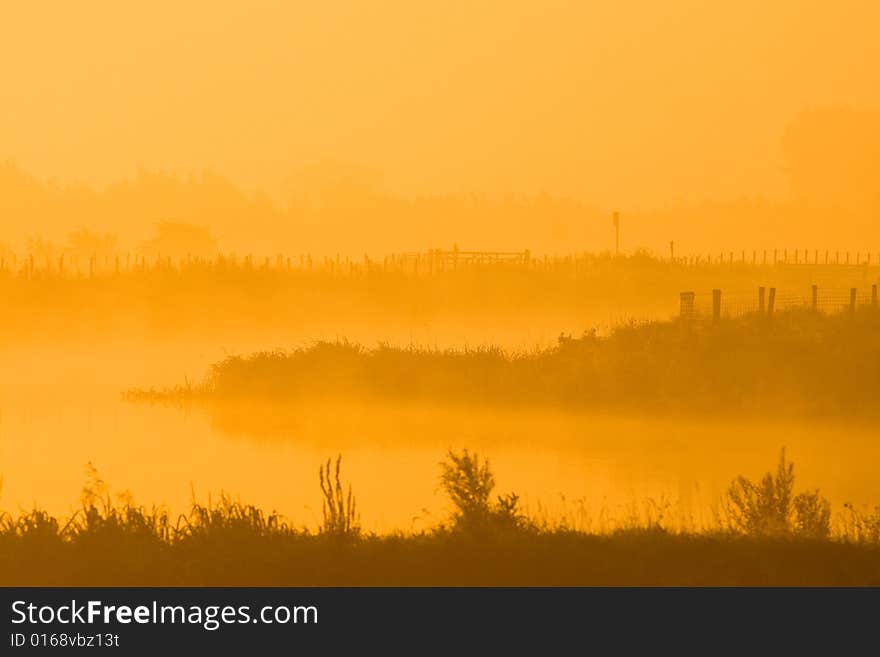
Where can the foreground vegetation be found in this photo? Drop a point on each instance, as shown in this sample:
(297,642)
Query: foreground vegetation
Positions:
(800,362)
(766,535)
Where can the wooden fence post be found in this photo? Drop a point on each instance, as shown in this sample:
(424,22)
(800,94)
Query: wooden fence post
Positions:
(815,298)
(771,302)
(716,306)
(852,300)
(874,296)
(761,301)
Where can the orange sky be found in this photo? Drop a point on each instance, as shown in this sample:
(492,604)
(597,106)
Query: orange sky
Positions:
(643,100)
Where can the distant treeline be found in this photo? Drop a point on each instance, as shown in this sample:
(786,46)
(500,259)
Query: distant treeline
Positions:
(350,212)
(798,362)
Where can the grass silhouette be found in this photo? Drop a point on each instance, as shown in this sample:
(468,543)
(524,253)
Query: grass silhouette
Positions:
(802,362)
(485,543)
(194,297)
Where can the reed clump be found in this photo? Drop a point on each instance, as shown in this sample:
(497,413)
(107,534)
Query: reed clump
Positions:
(338,507)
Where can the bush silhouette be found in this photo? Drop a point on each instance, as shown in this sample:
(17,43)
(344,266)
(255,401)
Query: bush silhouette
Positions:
(770,508)
(468,480)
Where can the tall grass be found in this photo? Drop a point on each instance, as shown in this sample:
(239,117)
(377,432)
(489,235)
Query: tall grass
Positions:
(339,509)
(801,362)
(486,542)
(197,297)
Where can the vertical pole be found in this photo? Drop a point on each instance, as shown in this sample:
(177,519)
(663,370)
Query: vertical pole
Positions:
(852,300)
(716,306)
(771,302)
(874,296)
(815,298)
(761,300)
(671,251)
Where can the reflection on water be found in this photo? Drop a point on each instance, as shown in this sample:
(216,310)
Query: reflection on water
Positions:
(560,463)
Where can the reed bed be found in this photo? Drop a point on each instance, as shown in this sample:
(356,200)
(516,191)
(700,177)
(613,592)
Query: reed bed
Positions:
(799,362)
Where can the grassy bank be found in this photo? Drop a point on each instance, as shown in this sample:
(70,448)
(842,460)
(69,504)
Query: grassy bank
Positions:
(547,559)
(801,362)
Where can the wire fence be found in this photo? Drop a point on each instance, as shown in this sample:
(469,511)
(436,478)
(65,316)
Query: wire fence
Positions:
(718,304)
(788,269)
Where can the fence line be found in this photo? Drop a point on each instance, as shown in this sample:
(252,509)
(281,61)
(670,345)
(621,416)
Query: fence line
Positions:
(802,257)
(765,301)
(432,261)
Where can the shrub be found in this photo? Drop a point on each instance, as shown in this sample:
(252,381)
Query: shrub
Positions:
(812,514)
(770,508)
(468,480)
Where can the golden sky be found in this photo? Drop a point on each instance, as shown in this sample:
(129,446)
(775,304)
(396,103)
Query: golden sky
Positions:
(645,100)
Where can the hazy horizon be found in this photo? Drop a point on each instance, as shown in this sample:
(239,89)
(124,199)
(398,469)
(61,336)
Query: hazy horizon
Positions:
(626,104)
